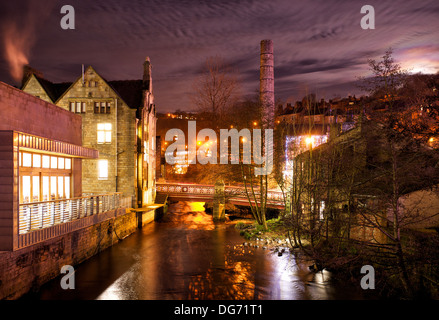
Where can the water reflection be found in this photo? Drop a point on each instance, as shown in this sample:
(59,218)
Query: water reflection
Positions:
(189,257)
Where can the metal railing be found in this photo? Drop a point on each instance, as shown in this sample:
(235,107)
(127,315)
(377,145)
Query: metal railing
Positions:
(274,197)
(38,215)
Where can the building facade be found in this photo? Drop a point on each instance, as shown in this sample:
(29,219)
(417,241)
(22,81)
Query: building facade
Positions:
(118,120)
(41,159)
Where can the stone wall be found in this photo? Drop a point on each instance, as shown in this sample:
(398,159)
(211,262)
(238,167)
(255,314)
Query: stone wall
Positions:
(120,153)
(27,269)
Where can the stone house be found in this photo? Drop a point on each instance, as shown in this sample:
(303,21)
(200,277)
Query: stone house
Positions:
(118,120)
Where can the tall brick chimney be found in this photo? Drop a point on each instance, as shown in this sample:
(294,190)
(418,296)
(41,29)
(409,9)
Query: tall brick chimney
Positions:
(267,83)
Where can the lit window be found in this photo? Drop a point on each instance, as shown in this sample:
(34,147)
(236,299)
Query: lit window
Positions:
(104,132)
(53,187)
(27,160)
(46,162)
(45,188)
(60,163)
(35,188)
(37,161)
(53,162)
(68,164)
(25,189)
(67,186)
(103,169)
(60,187)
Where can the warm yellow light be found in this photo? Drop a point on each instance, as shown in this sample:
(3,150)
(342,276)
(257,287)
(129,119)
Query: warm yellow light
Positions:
(255,123)
(166,143)
(243,139)
(431,139)
(309,140)
(199,143)
(231,127)
(169,114)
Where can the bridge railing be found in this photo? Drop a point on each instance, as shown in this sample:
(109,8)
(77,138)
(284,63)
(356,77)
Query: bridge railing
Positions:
(274,197)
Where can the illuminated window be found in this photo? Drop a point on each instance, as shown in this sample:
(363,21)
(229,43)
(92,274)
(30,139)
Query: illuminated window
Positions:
(36,161)
(46,162)
(103,169)
(46,190)
(60,163)
(35,188)
(60,187)
(67,186)
(44,177)
(104,132)
(53,163)
(68,164)
(27,160)
(25,189)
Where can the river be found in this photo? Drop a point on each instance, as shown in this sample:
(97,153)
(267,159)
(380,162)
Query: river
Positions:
(189,257)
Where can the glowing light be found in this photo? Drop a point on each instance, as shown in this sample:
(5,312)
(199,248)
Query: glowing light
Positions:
(309,140)
(255,123)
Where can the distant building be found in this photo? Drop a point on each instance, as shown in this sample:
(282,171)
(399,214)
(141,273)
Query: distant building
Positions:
(118,120)
(309,123)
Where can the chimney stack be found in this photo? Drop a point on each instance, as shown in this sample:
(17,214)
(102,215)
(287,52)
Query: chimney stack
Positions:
(267,83)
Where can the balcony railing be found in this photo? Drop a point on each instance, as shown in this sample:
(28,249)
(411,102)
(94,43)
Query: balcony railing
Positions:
(38,215)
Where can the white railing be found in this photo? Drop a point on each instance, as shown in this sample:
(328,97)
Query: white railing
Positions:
(38,215)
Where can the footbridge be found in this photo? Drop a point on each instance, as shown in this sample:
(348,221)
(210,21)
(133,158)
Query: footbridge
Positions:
(236,195)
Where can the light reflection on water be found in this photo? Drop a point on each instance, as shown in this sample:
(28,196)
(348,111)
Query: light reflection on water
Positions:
(189,257)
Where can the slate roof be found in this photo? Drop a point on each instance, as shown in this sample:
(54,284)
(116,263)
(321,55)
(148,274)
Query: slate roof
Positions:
(131,91)
(53,90)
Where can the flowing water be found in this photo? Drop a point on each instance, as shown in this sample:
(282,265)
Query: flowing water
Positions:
(187,256)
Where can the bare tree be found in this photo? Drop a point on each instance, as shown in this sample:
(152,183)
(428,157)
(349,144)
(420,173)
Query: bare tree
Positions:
(216,91)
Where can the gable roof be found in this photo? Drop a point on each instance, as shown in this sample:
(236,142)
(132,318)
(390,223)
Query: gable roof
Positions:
(53,90)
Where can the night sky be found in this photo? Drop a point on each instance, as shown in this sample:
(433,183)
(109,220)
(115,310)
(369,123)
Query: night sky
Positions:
(319,45)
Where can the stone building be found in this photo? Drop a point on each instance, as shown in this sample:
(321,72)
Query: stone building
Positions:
(118,120)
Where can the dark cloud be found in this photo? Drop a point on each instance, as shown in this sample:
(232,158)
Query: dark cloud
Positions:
(318,44)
